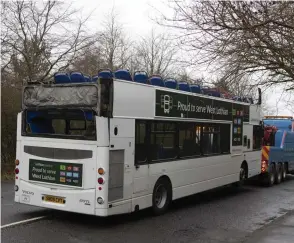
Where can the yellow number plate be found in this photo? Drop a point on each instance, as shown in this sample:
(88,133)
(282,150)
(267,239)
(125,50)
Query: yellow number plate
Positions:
(54,199)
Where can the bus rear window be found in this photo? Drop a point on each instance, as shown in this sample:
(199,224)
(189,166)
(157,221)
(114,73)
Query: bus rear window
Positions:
(60,124)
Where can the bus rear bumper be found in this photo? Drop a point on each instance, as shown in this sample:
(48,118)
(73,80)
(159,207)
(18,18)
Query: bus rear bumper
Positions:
(120,207)
(64,199)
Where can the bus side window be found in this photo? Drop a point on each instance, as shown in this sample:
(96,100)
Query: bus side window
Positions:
(141,143)
(189,140)
(211,139)
(257,137)
(225,132)
(245,140)
(163,141)
(248,143)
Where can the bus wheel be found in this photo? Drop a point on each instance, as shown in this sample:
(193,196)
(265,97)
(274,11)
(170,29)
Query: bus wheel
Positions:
(284,172)
(162,196)
(279,174)
(242,176)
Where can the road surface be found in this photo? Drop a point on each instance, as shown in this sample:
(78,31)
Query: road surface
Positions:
(223,215)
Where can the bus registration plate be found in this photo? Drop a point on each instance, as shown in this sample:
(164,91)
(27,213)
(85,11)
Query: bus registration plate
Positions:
(54,199)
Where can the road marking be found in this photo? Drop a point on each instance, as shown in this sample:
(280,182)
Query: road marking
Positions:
(22,222)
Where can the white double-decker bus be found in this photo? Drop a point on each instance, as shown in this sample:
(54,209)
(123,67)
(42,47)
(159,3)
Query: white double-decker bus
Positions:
(116,146)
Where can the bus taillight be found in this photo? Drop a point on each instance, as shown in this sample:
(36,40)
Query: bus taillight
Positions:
(264,165)
(100,180)
(16,162)
(16,171)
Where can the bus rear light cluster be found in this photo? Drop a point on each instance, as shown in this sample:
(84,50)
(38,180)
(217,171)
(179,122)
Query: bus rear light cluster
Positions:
(100,180)
(264,165)
(101,171)
(16,188)
(16,171)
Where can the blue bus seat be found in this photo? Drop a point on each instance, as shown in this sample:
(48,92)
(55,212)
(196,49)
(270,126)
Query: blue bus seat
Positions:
(39,124)
(205,90)
(105,73)
(95,78)
(156,80)
(215,93)
(87,78)
(141,77)
(237,98)
(195,88)
(77,77)
(61,78)
(184,86)
(171,83)
(123,74)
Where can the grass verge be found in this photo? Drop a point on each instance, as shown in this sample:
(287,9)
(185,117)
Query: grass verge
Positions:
(7,176)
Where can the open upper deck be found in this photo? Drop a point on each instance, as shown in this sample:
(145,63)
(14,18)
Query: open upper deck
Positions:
(139,97)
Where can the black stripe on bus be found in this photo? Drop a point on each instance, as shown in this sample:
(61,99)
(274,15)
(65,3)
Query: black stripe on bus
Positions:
(58,153)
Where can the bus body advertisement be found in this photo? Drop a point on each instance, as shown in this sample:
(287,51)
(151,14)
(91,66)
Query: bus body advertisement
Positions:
(129,146)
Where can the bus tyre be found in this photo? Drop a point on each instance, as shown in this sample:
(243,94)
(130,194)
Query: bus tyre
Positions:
(279,173)
(242,177)
(162,196)
(284,172)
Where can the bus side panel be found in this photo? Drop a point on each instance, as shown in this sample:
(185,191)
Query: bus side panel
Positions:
(252,157)
(121,162)
(253,160)
(102,190)
(247,137)
(196,175)
(18,153)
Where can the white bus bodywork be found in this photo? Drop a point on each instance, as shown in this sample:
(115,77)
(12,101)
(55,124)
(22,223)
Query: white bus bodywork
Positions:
(127,187)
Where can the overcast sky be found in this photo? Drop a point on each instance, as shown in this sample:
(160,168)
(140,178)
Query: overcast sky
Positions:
(136,16)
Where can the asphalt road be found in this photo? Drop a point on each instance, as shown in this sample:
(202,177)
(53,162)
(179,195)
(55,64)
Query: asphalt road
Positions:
(223,215)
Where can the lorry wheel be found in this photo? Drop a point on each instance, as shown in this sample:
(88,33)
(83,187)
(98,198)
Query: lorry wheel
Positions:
(270,180)
(284,172)
(279,173)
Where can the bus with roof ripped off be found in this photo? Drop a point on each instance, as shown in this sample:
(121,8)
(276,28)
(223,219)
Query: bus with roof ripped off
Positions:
(117,143)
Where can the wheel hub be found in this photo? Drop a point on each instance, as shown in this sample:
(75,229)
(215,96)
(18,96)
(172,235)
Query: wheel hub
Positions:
(160,196)
(242,174)
(272,178)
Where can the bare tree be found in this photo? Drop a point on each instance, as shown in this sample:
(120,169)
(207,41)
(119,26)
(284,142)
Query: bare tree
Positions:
(113,42)
(89,61)
(40,37)
(255,37)
(156,54)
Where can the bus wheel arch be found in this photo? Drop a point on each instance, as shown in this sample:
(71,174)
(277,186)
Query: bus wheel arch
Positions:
(162,195)
(243,174)
(244,166)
